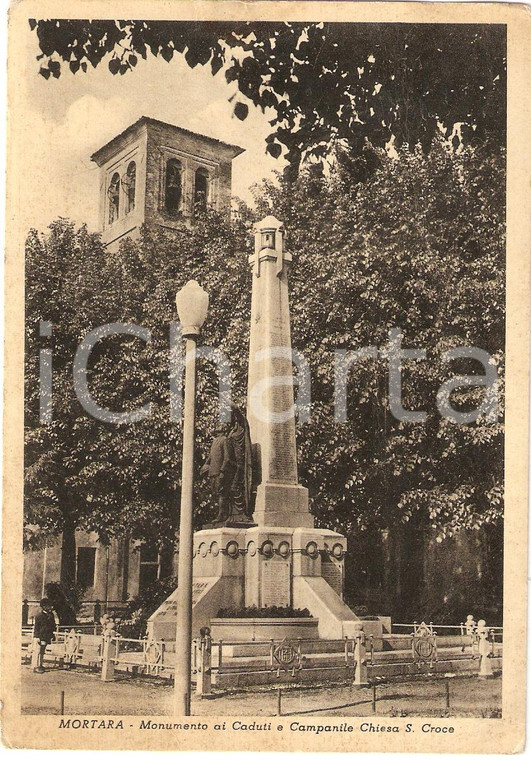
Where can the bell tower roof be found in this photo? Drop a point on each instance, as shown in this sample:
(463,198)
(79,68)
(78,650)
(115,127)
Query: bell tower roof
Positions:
(102,155)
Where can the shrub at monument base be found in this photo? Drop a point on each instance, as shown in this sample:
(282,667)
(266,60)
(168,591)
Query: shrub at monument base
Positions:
(142,606)
(263,612)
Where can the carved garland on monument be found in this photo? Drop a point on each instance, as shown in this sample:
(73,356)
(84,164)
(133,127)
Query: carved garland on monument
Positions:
(232,549)
(267,549)
(311,550)
(283,549)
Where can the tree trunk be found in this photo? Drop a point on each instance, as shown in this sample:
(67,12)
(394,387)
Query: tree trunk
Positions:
(68,555)
(125,566)
(166,562)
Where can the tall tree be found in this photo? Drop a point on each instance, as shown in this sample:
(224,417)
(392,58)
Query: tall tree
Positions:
(419,245)
(119,479)
(65,288)
(416,247)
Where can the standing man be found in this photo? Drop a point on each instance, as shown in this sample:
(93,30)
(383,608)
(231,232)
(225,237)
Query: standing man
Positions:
(43,631)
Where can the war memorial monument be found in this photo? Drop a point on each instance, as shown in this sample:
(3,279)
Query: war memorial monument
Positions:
(263,549)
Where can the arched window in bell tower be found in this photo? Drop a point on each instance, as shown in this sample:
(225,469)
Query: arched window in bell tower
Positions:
(201,190)
(173,187)
(114,198)
(129,185)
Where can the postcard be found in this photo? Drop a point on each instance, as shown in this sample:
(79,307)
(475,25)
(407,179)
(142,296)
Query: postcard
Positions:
(266,376)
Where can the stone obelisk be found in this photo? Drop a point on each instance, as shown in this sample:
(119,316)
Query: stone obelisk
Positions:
(280,500)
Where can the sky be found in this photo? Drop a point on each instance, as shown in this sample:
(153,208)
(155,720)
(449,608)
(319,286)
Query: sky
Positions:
(67,119)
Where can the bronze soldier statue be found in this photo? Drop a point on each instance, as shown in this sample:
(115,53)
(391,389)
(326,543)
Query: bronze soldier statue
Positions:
(233,477)
(220,468)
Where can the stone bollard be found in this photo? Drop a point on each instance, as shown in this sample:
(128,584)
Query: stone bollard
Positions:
(469,629)
(360,656)
(204,664)
(108,655)
(484,646)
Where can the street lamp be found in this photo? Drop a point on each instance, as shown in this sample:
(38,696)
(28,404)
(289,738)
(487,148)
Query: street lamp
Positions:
(192,308)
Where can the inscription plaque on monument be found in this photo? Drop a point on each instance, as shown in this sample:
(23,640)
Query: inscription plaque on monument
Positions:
(333,576)
(276,583)
(168,609)
(283,467)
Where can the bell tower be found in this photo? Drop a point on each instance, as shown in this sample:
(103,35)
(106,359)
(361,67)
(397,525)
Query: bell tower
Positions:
(160,174)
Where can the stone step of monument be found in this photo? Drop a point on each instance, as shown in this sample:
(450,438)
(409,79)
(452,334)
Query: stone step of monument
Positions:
(312,650)
(403,641)
(337,674)
(264,647)
(329,659)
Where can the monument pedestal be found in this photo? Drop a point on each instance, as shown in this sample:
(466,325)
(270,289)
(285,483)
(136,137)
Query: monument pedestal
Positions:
(282,504)
(266,566)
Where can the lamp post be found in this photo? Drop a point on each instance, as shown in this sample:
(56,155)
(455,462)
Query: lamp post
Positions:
(192,307)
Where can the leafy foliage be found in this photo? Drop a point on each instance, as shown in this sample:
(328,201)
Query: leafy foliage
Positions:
(418,246)
(125,478)
(65,600)
(324,82)
(133,624)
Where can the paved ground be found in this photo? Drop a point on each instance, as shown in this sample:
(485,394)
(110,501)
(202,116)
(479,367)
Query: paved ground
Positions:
(86,694)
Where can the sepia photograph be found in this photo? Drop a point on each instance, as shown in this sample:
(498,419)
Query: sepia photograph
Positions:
(268,301)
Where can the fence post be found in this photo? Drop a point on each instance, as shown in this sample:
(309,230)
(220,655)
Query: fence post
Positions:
(484,647)
(25,612)
(360,655)
(109,653)
(204,664)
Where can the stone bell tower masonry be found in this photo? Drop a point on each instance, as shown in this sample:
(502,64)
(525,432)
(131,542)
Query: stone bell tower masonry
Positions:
(159,174)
